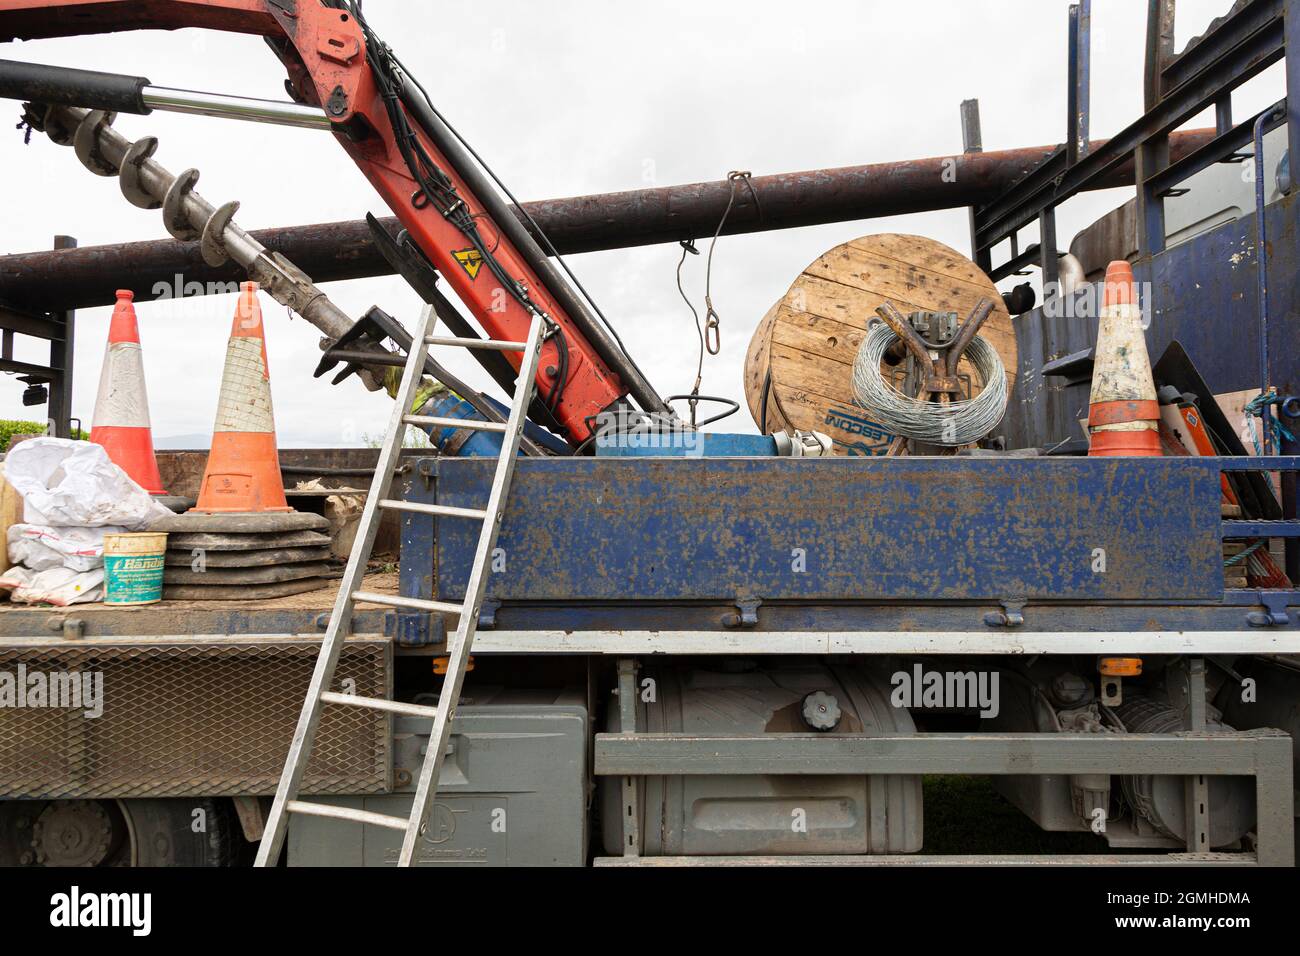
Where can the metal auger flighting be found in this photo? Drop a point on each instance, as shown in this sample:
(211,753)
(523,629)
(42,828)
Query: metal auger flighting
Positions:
(187,216)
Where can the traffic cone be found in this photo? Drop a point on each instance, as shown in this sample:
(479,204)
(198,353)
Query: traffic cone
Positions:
(243,472)
(1124,414)
(121,422)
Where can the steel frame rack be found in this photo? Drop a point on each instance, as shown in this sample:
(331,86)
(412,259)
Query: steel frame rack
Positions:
(57,328)
(1254,35)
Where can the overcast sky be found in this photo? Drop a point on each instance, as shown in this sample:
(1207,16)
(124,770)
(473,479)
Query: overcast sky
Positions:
(567,97)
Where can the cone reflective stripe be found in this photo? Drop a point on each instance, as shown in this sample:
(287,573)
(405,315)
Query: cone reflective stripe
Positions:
(121,423)
(243,471)
(1123,415)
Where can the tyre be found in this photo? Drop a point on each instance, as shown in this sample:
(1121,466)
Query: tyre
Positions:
(86,833)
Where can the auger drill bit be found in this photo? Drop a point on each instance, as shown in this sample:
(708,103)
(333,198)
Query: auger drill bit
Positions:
(187,216)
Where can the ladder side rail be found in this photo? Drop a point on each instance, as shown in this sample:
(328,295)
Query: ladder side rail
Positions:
(458,647)
(268,852)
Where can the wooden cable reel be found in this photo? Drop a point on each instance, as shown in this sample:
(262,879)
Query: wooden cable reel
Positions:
(800,360)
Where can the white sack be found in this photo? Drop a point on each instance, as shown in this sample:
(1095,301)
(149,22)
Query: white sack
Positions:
(68,483)
(58,586)
(40,547)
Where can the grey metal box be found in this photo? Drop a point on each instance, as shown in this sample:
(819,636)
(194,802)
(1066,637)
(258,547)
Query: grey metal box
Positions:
(513,790)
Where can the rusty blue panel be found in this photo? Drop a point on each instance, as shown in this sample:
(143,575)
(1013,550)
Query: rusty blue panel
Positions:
(842,529)
(411,628)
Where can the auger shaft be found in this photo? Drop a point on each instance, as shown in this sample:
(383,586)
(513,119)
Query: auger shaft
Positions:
(186,214)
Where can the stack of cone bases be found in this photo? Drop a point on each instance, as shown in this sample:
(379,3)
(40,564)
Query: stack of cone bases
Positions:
(242,540)
(1123,414)
(121,422)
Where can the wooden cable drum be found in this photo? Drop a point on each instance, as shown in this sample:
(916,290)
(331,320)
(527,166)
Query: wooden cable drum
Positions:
(801,356)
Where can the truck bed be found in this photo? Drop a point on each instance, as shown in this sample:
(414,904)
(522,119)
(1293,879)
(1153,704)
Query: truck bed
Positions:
(300,614)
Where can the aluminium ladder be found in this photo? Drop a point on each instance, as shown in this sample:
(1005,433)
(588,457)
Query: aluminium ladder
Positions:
(458,648)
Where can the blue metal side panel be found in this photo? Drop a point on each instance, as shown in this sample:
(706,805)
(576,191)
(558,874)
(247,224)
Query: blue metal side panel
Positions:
(412,628)
(842,529)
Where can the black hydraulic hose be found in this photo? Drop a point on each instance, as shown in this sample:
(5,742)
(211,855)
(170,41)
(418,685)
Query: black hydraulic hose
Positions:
(65,86)
(609,352)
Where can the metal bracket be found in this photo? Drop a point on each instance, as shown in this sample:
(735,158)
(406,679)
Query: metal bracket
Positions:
(1197,794)
(1112,691)
(627,701)
(936,362)
(72,628)
(745,615)
(487,615)
(1011,615)
(427,468)
(366,335)
(1275,612)
(337,102)
(415,629)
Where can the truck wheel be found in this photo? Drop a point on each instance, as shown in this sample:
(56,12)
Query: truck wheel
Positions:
(184,832)
(70,833)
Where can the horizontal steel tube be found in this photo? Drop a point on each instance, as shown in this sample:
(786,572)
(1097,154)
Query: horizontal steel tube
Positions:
(66,86)
(1249,640)
(1261,529)
(69,86)
(1229,754)
(234,107)
(89,276)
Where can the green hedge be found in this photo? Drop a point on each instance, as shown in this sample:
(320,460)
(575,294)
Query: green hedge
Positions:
(11,427)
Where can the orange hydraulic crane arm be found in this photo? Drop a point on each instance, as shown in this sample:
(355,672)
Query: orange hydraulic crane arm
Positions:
(381,116)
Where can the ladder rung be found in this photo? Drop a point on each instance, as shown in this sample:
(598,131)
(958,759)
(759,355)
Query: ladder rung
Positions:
(347,813)
(377,703)
(397,600)
(446,511)
(474,423)
(494,344)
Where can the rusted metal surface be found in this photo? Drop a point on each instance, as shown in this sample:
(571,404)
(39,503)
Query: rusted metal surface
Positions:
(335,251)
(37,20)
(842,529)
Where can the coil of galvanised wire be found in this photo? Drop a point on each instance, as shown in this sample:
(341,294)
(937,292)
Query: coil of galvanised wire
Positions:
(949,424)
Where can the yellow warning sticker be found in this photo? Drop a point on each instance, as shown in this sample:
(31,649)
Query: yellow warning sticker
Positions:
(471,261)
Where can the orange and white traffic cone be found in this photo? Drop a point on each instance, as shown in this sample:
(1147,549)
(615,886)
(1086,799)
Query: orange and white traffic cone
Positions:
(243,471)
(121,422)
(1124,416)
